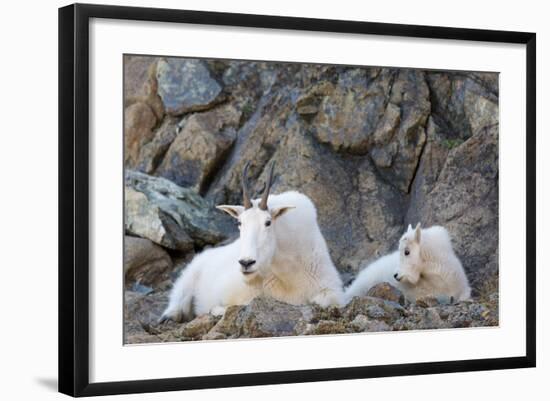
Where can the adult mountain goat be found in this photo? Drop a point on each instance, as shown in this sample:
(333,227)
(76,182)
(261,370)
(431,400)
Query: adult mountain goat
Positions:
(280,252)
(424,265)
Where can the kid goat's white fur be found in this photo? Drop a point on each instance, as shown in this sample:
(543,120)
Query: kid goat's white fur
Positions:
(280,252)
(424,265)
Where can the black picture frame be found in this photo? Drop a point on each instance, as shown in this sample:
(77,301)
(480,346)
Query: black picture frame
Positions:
(74,198)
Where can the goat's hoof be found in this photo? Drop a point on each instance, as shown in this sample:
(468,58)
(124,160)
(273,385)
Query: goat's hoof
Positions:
(164,319)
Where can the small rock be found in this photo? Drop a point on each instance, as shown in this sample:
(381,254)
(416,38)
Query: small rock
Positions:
(307,110)
(478,311)
(493,298)
(214,335)
(374,308)
(266,317)
(360,323)
(427,302)
(227,325)
(142,338)
(141,289)
(173,336)
(445,300)
(377,325)
(199,326)
(303,327)
(388,292)
(376,312)
(327,327)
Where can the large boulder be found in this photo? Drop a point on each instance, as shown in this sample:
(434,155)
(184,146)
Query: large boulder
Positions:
(139,125)
(145,262)
(388,292)
(146,219)
(143,108)
(186,85)
(174,217)
(140,83)
(200,148)
(263,317)
(152,153)
(349,112)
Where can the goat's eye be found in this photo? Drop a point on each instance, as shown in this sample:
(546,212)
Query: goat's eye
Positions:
(407,252)
(268,223)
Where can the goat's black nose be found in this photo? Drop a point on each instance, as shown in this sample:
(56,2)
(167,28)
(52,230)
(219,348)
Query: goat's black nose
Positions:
(246,263)
(395,276)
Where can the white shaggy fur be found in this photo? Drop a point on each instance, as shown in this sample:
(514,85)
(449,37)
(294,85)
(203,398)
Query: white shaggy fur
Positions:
(424,265)
(292,262)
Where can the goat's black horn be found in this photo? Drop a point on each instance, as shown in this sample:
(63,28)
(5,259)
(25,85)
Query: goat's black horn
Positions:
(263,202)
(246,194)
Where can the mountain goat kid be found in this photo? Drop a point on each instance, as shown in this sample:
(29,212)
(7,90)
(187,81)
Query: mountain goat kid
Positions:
(280,252)
(425,265)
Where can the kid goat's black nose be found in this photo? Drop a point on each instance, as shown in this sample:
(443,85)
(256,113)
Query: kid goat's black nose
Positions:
(246,262)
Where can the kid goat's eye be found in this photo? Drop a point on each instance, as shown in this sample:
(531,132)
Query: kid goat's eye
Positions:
(407,252)
(268,223)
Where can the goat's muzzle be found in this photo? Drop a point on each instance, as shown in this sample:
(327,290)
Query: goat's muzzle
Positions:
(246,264)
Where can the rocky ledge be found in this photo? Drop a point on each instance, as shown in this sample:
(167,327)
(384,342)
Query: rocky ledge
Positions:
(384,309)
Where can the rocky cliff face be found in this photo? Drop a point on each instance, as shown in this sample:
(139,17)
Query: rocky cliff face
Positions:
(374,148)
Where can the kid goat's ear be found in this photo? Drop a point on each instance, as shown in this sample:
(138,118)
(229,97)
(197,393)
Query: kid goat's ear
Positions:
(279,211)
(417,232)
(231,210)
(409,228)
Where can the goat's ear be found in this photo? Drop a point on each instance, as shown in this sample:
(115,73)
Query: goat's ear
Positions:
(417,232)
(409,228)
(231,210)
(279,211)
